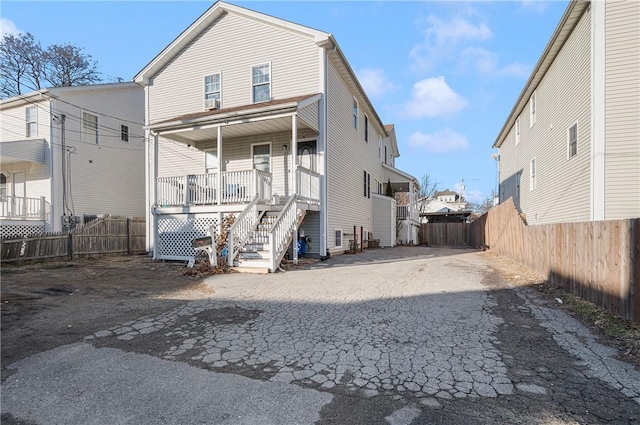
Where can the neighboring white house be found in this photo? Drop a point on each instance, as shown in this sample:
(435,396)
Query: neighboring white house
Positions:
(71,153)
(264,119)
(570,148)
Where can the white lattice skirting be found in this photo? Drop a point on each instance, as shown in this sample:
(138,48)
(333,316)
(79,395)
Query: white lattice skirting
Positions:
(10,230)
(176,233)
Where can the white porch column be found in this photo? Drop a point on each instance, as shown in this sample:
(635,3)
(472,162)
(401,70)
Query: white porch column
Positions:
(294,180)
(219,152)
(154,189)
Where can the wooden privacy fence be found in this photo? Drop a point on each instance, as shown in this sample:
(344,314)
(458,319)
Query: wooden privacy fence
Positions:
(449,234)
(597,261)
(106,235)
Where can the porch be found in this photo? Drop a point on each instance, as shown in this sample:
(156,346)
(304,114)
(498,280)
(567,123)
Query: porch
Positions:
(21,216)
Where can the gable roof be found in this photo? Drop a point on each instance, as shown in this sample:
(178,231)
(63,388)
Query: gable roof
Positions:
(565,27)
(46,94)
(215,12)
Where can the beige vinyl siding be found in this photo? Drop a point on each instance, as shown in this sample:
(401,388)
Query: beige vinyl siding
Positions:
(311,228)
(14,122)
(108,177)
(384,219)
(622,110)
(562,191)
(178,88)
(309,115)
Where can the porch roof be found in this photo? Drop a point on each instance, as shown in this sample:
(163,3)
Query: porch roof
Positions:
(397,176)
(28,150)
(243,120)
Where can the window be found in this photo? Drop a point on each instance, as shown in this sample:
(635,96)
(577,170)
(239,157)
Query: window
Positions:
(532,110)
(532,174)
(385,154)
(517,195)
(338,238)
(262,157)
(211,161)
(89,127)
(379,187)
(124,133)
(355,114)
(572,138)
(31,115)
(3,185)
(261,80)
(379,147)
(366,128)
(367,185)
(517,131)
(212,87)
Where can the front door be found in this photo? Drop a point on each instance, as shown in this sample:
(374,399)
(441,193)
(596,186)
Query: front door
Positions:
(307,155)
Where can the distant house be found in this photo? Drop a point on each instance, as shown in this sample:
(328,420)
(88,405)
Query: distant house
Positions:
(264,120)
(435,210)
(451,198)
(70,153)
(570,148)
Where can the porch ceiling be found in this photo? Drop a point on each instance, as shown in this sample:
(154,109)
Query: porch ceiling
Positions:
(32,150)
(268,117)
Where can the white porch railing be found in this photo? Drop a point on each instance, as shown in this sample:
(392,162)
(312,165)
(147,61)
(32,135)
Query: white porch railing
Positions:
(308,183)
(410,211)
(22,208)
(238,187)
(281,232)
(241,229)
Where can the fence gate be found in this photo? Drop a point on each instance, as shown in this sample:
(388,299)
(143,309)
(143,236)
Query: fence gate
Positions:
(444,234)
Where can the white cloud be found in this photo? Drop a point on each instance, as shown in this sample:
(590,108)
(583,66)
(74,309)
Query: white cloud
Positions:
(486,62)
(8,27)
(433,97)
(442,37)
(474,195)
(538,6)
(375,82)
(443,141)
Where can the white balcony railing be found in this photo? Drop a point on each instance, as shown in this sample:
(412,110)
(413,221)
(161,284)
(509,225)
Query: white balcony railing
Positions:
(22,208)
(308,184)
(237,187)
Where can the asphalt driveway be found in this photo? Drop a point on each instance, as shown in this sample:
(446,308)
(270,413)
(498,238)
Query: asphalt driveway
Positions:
(390,336)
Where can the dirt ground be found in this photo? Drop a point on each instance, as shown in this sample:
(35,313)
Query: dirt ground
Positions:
(37,314)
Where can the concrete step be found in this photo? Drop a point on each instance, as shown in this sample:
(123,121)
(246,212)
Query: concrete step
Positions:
(257,270)
(254,255)
(253,263)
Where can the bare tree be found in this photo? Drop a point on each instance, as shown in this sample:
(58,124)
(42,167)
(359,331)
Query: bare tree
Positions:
(22,64)
(428,187)
(68,65)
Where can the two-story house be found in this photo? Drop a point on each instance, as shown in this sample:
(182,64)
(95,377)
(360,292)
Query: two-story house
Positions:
(71,153)
(263,119)
(569,150)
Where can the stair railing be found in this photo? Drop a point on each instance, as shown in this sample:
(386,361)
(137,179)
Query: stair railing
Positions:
(281,232)
(241,230)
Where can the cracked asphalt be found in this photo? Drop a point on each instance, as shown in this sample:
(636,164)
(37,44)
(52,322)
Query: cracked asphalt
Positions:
(410,335)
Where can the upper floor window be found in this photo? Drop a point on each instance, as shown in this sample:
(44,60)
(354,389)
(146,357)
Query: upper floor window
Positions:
(212,84)
(31,118)
(517,131)
(385,154)
(3,185)
(379,147)
(355,114)
(532,174)
(124,133)
(89,127)
(532,110)
(572,139)
(366,128)
(517,194)
(261,81)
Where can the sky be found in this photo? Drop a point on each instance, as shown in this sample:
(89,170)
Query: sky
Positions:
(445,73)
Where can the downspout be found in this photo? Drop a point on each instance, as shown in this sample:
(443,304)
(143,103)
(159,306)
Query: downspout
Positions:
(155,195)
(53,190)
(324,182)
(147,177)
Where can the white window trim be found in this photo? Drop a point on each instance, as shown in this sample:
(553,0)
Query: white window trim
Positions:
(270,154)
(367,183)
(355,115)
(533,177)
(336,230)
(569,156)
(35,108)
(517,131)
(379,147)
(82,134)
(533,109)
(252,85)
(204,85)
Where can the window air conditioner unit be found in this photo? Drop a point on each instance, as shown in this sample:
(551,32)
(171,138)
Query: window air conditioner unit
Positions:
(211,104)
